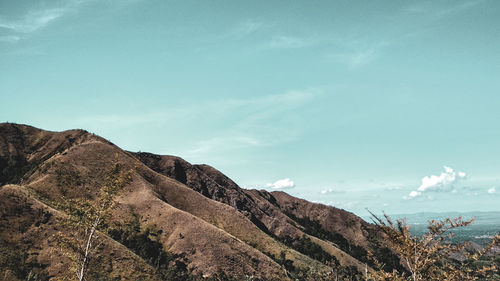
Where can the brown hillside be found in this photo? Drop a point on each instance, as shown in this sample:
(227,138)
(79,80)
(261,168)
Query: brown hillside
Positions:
(351,233)
(200,219)
(27,244)
(74,171)
(348,231)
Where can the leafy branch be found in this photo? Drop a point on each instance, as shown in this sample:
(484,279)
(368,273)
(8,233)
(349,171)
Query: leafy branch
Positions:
(88,218)
(426,257)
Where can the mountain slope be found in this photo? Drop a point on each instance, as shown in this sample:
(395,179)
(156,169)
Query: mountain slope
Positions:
(194,214)
(27,245)
(282,216)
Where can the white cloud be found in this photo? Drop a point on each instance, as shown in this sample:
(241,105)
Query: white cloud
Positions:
(492,190)
(330,190)
(355,59)
(289,42)
(437,183)
(251,124)
(361,58)
(325,191)
(10,38)
(281,184)
(438,11)
(343,205)
(33,20)
(247,122)
(36,18)
(248,27)
(229,142)
(393,187)
(414,194)
(460,7)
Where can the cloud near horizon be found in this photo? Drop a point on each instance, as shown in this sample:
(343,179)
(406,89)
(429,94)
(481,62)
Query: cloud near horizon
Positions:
(281,184)
(437,183)
(330,190)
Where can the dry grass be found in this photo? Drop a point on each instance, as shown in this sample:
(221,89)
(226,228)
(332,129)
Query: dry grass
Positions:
(212,225)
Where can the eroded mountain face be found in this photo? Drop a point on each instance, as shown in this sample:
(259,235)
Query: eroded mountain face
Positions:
(282,216)
(172,220)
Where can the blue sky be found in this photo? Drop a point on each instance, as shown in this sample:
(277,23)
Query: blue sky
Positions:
(355,104)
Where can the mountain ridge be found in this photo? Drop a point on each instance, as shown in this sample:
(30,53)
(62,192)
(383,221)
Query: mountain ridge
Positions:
(206,221)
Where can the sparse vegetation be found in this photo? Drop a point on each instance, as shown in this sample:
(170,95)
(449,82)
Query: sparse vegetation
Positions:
(70,191)
(314,228)
(428,257)
(87,218)
(146,244)
(19,265)
(17,262)
(311,249)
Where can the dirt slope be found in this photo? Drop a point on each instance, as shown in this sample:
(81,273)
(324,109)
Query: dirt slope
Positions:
(283,219)
(204,222)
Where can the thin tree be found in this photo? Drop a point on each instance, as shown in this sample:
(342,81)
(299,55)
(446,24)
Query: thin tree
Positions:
(87,218)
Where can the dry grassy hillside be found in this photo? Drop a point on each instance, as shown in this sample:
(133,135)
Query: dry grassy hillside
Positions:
(172,220)
(290,220)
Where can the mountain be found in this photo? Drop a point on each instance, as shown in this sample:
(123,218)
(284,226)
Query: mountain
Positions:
(172,220)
